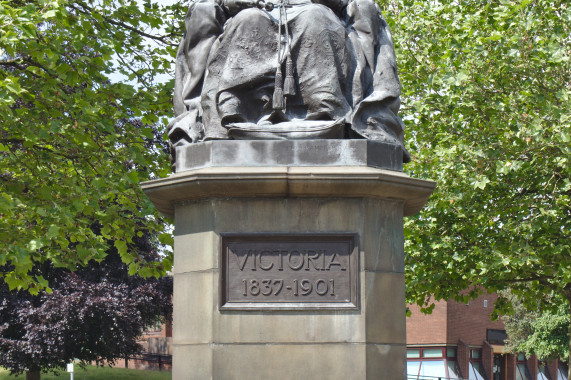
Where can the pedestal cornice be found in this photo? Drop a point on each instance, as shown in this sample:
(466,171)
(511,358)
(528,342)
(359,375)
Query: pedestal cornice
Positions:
(288,181)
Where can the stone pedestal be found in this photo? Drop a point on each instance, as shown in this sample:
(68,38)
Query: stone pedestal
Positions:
(287,187)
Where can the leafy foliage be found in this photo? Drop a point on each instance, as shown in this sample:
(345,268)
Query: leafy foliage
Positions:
(81,120)
(487,107)
(95,313)
(541,333)
(486,102)
(75,142)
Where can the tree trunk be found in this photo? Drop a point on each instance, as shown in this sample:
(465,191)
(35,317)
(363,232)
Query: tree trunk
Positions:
(33,374)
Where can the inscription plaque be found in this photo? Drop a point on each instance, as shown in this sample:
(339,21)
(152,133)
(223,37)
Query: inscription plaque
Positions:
(289,271)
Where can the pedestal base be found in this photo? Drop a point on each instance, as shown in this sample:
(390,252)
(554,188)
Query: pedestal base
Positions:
(366,343)
(333,344)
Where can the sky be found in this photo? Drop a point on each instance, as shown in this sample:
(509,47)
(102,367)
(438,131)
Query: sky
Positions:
(117,77)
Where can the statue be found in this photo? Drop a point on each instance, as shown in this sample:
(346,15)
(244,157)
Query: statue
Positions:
(297,69)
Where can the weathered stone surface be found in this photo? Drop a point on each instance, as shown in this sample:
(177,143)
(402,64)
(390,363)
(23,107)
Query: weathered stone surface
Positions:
(289,153)
(198,252)
(384,308)
(383,236)
(368,343)
(386,362)
(192,362)
(334,344)
(291,362)
(289,214)
(194,298)
(287,182)
(293,327)
(195,252)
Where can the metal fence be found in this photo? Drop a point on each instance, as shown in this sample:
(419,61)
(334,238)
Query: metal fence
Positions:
(422,377)
(159,359)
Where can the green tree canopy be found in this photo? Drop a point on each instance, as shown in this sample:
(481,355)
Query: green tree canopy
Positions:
(74,143)
(487,106)
(487,89)
(96,313)
(544,333)
(486,103)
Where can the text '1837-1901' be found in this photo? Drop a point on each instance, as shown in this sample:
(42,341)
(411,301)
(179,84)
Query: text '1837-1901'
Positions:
(289,271)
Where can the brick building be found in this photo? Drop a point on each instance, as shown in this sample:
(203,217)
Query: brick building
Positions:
(156,342)
(458,341)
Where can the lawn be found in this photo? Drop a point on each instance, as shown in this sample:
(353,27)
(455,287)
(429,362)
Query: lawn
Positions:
(97,373)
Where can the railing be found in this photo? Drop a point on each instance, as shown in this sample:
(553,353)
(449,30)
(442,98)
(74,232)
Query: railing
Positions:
(423,377)
(160,359)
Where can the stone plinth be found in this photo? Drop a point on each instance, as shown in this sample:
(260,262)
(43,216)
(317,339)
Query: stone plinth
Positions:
(289,153)
(341,195)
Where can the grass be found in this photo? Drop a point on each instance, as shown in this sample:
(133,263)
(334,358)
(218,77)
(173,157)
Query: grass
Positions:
(97,373)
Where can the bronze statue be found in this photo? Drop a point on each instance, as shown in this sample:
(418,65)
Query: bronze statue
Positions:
(296,69)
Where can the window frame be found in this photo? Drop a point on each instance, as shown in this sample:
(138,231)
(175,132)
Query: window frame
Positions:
(562,371)
(542,365)
(523,362)
(444,358)
(476,361)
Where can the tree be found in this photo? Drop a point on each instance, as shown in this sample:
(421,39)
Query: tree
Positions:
(487,107)
(75,144)
(95,313)
(544,333)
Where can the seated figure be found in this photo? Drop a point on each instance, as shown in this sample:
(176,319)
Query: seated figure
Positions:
(293,69)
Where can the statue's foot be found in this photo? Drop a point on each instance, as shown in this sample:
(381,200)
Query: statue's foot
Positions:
(275,117)
(217,136)
(295,129)
(185,127)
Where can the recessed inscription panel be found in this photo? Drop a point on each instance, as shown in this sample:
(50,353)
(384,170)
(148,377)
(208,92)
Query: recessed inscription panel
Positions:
(289,271)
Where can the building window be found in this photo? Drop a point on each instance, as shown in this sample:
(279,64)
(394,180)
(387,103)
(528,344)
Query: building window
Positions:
(476,371)
(155,327)
(432,363)
(562,372)
(543,372)
(521,371)
(432,353)
(453,371)
(495,336)
(475,367)
(413,353)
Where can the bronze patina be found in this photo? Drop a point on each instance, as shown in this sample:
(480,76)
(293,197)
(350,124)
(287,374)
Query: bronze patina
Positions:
(286,69)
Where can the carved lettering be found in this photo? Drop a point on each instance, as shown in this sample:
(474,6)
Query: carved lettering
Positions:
(289,271)
(299,264)
(242,262)
(282,254)
(310,260)
(334,262)
(312,257)
(268,266)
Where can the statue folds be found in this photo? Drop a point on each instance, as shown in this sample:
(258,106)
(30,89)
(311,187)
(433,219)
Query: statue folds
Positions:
(293,69)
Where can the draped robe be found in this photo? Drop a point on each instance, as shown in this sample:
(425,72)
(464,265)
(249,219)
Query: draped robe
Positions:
(344,69)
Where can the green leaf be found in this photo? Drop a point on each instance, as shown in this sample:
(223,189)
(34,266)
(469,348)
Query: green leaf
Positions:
(121,247)
(53,231)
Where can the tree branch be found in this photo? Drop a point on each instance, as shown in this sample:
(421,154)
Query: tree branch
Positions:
(89,10)
(14,62)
